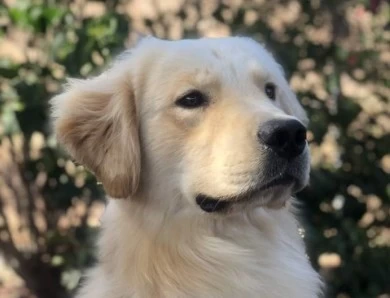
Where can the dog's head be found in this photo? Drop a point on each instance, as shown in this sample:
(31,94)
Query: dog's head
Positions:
(212,121)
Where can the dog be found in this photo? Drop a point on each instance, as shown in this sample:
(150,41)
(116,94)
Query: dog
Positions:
(200,145)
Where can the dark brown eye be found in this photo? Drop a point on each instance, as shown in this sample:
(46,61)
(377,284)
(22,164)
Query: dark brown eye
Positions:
(270,90)
(192,100)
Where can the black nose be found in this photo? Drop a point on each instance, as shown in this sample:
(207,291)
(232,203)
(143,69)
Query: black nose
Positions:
(285,137)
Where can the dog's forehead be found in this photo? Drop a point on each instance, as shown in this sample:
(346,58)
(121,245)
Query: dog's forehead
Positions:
(241,56)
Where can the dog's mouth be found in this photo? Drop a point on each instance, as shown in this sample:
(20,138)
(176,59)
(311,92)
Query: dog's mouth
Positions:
(212,204)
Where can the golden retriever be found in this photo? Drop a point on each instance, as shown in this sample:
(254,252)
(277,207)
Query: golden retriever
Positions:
(202,144)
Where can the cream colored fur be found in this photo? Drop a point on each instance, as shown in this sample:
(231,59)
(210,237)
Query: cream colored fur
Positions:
(154,157)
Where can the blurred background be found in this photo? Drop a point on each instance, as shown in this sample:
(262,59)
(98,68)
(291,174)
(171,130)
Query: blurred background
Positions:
(337,58)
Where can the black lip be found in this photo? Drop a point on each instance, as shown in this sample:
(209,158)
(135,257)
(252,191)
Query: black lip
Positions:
(210,204)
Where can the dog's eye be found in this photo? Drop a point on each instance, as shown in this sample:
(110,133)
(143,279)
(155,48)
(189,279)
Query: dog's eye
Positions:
(192,100)
(270,91)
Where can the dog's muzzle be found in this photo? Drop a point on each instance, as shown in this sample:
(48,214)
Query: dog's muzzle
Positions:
(285,140)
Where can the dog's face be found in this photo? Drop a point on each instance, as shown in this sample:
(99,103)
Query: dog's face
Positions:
(212,119)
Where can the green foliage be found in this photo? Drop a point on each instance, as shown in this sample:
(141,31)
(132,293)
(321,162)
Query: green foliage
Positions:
(335,54)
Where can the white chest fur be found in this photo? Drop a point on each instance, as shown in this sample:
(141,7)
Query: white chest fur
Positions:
(259,254)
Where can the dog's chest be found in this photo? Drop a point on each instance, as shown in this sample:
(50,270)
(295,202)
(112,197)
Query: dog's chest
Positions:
(244,260)
(261,257)
(230,270)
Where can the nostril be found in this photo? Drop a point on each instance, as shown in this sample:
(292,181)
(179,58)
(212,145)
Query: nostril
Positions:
(280,139)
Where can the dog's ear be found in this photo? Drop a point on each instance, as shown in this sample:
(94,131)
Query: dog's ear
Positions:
(96,121)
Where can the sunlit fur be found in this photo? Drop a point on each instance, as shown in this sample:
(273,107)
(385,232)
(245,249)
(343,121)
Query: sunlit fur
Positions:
(154,157)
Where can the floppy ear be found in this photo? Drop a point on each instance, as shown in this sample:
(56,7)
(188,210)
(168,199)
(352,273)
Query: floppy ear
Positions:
(96,122)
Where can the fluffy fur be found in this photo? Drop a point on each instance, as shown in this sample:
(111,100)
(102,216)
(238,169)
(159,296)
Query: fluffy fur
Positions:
(154,157)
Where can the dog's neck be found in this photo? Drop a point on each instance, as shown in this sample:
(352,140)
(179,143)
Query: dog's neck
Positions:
(185,246)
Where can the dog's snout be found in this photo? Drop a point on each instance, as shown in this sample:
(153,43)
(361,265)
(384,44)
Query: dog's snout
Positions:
(285,137)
